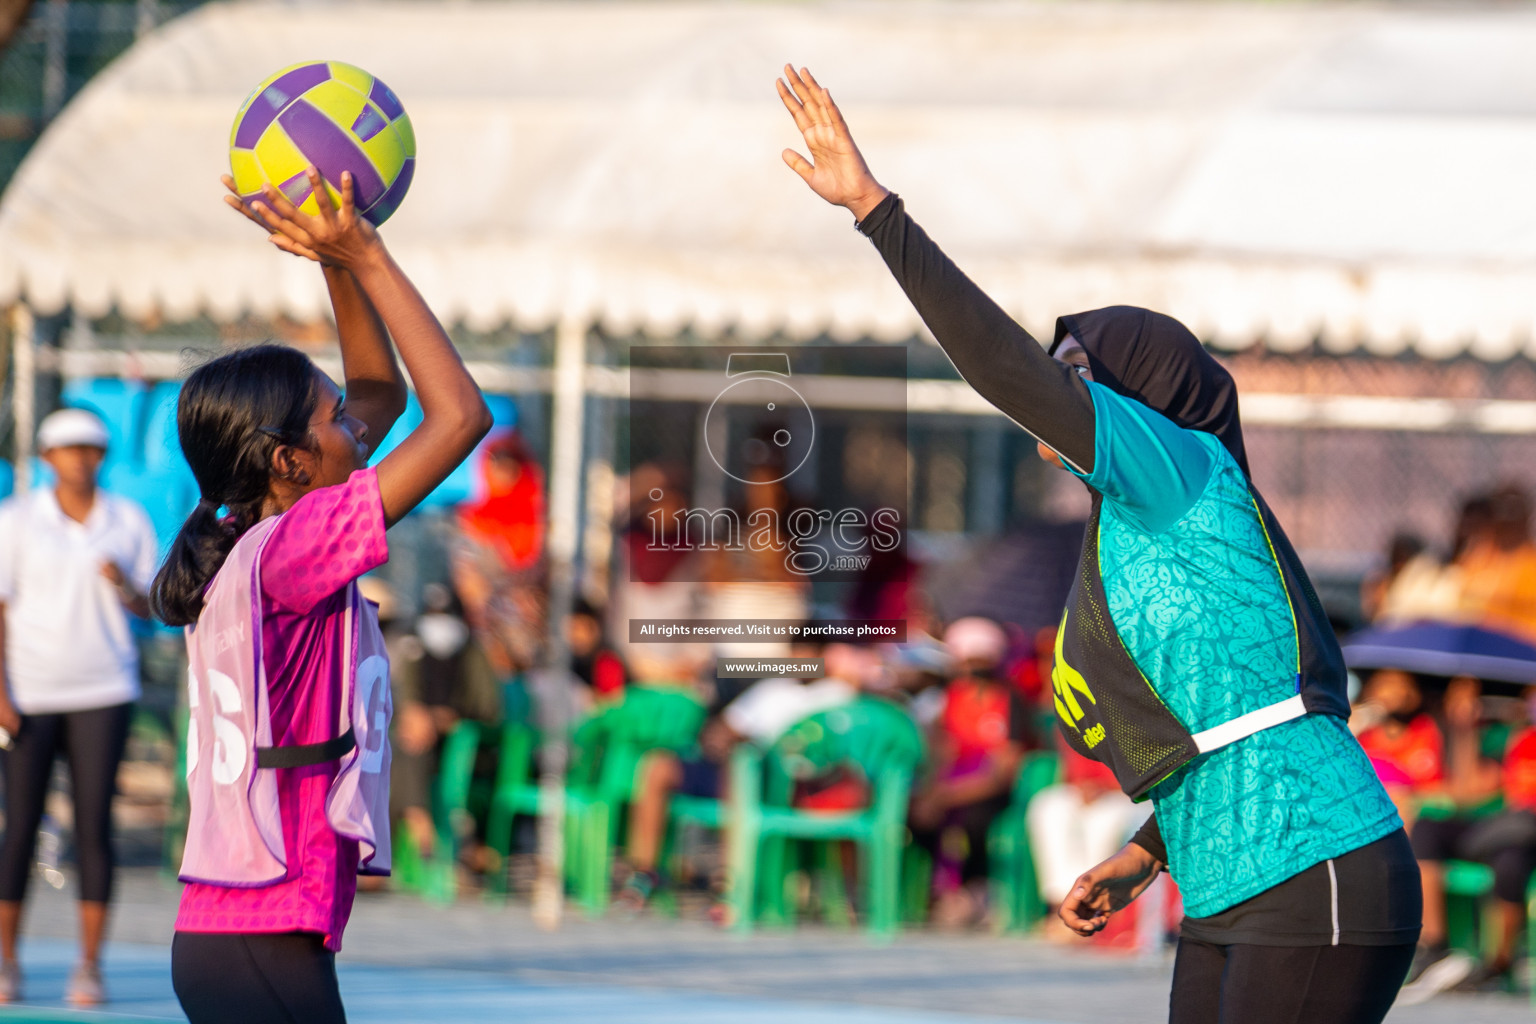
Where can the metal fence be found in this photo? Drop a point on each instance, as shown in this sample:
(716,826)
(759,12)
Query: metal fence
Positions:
(62,45)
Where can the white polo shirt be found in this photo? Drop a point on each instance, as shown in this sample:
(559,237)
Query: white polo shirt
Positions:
(68,644)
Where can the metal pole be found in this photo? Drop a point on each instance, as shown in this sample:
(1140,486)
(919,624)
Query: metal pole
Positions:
(24,390)
(553,690)
(147,16)
(55,58)
(597,531)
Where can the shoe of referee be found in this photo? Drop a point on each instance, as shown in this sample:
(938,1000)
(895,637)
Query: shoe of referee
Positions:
(1435,969)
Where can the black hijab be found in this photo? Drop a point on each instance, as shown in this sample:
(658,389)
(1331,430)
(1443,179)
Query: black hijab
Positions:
(1157,361)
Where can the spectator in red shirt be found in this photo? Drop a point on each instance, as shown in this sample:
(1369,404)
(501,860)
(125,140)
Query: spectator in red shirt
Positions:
(1405,743)
(594,662)
(1506,841)
(977,746)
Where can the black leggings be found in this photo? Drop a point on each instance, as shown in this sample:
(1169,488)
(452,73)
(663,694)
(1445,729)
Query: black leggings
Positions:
(1245,984)
(237,978)
(92,742)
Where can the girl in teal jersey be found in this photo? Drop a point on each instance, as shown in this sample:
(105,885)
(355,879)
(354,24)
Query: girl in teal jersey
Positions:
(1195,659)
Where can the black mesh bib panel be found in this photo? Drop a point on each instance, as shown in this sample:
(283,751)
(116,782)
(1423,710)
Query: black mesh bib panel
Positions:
(1107,709)
(1323,681)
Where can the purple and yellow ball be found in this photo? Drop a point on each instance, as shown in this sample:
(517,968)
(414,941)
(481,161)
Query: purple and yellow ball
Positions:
(335,116)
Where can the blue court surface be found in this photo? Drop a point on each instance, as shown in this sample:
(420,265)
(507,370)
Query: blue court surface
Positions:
(473,961)
(139,979)
(140,985)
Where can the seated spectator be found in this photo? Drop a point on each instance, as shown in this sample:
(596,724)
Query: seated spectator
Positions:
(496,556)
(439,675)
(761,714)
(1403,740)
(1077,824)
(921,669)
(1480,766)
(1490,578)
(1425,587)
(975,752)
(1403,551)
(595,663)
(1498,566)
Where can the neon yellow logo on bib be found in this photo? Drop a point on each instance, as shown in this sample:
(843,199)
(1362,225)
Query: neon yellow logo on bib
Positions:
(1068,682)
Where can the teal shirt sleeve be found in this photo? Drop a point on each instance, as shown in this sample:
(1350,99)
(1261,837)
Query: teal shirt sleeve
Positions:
(1149,466)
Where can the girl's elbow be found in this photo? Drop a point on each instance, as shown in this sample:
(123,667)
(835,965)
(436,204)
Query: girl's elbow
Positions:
(397,402)
(481,420)
(473,423)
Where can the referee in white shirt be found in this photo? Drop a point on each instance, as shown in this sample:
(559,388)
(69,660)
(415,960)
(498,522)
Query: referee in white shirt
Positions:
(74,561)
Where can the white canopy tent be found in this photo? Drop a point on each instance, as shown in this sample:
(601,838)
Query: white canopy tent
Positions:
(1358,174)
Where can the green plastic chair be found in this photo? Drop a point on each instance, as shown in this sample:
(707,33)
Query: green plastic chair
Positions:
(874,737)
(436,878)
(606,751)
(517,792)
(648,718)
(1015,882)
(1466,884)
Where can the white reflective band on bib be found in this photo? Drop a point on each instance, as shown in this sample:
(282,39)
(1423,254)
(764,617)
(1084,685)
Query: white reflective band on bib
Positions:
(1246,725)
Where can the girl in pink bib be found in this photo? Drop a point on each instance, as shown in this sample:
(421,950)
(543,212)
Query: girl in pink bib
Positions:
(288,683)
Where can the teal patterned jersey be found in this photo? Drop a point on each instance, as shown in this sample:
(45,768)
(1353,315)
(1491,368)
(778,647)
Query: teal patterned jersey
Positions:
(1196,597)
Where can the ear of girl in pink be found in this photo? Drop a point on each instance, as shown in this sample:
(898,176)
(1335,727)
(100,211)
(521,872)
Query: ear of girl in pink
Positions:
(287,652)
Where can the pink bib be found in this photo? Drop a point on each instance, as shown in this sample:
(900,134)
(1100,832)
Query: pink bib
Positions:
(234,827)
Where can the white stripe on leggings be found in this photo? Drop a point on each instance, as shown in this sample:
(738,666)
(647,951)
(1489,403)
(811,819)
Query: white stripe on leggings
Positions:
(1333,884)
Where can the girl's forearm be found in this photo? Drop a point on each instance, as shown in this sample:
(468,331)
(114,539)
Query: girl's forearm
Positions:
(376,390)
(994,354)
(449,397)
(454,413)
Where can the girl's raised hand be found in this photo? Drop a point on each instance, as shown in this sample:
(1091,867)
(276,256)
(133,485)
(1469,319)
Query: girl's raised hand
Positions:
(335,237)
(836,171)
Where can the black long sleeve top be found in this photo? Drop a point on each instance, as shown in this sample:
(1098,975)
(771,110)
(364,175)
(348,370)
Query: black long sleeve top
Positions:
(995,355)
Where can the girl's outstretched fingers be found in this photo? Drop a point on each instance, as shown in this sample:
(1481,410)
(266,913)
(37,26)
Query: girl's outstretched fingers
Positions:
(791,101)
(237,202)
(288,245)
(348,195)
(816,98)
(834,168)
(276,202)
(322,195)
(799,164)
(287,227)
(283,210)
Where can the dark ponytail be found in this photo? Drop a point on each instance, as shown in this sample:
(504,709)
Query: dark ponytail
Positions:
(233,413)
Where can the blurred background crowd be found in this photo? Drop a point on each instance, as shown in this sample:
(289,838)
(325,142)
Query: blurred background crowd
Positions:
(1389,397)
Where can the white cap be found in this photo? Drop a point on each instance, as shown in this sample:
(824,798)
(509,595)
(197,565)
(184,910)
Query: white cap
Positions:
(976,639)
(69,427)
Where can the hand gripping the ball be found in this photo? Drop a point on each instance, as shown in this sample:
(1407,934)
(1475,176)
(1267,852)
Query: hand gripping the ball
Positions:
(335,237)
